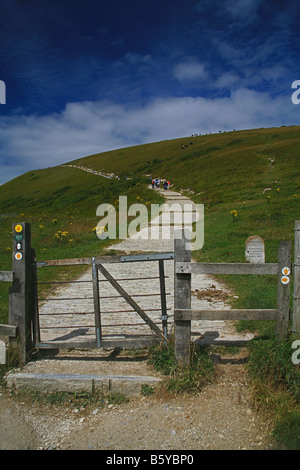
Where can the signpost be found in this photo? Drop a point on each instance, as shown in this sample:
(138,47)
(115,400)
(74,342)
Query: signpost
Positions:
(20,311)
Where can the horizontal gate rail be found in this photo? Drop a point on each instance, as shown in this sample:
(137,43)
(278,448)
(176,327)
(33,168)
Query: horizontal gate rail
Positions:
(103,280)
(106,259)
(102,311)
(127,341)
(102,297)
(115,325)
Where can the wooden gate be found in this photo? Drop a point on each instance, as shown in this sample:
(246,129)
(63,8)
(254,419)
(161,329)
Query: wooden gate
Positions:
(99,338)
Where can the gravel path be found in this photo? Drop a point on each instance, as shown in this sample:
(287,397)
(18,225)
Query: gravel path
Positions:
(207,293)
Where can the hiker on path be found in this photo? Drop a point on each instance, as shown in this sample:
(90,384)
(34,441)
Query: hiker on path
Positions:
(165,185)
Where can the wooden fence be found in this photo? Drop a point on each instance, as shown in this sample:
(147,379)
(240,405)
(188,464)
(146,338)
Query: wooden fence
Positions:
(183,314)
(23,323)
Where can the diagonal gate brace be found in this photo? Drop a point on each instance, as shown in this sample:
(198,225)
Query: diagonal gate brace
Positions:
(131,302)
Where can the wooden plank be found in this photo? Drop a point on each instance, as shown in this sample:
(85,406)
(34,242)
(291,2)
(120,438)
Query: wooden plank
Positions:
(234,314)
(283,291)
(162,284)
(126,342)
(131,302)
(96,303)
(182,300)
(36,334)
(8,330)
(105,259)
(296,273)
(64,262)
(6,276)
(226,268)
(148,257)
(66,345)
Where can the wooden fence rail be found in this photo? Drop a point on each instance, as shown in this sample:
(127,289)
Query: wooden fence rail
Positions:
(6,276)
(183,314)
(226,268)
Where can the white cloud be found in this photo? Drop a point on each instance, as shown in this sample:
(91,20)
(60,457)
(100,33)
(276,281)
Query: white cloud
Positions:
(32,142)
(190,70)
(227,80)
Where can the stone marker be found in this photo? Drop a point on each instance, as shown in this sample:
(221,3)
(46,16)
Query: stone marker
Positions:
(255,249)
(2,352)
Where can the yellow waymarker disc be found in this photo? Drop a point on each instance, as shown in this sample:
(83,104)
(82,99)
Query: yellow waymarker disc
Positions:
(18,228)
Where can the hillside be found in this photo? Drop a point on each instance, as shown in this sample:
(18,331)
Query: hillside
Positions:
(254,172)
(225,167)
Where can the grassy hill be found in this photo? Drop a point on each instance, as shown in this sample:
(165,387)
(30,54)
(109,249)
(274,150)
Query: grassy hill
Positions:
(255,173)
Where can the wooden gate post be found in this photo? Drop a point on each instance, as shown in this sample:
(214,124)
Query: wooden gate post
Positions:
(96,302)
(20,314)
(164,316)
(296,274)
(283,290)
(36,334)
(182,299)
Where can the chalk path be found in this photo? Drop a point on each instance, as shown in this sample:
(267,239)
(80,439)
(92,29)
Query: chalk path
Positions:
(117,317)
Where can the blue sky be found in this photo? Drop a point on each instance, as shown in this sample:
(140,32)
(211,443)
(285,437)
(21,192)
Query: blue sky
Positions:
(84,77)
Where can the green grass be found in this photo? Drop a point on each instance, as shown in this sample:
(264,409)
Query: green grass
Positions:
(190,380)
(276,388)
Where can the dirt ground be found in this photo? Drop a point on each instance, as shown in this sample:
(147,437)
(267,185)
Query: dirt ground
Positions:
(219,417)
